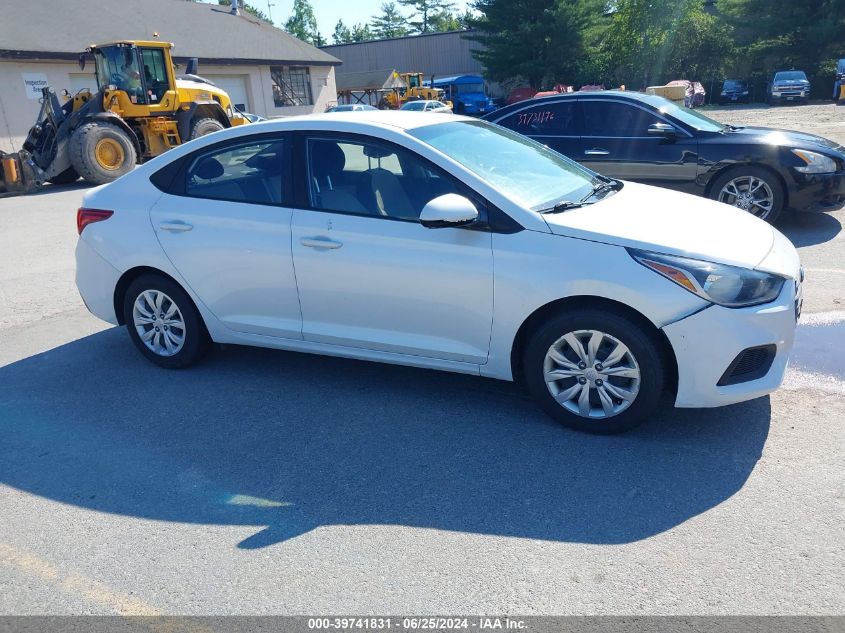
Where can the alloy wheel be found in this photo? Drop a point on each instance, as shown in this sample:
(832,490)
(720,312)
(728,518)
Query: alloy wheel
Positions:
(591,374)
(159,323)
(749,193)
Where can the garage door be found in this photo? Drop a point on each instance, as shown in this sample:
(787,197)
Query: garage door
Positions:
(235,85)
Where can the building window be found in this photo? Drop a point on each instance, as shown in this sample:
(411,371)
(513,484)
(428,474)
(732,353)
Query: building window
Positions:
(291,86)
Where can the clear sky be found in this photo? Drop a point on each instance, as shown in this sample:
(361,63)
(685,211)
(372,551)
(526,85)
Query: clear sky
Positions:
(328,12)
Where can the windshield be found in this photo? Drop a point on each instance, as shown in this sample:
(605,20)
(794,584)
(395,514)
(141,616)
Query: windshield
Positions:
(414,105)
(118,66)
(690,117)
(791,76)
(731,85)
(522,169)
(465,88)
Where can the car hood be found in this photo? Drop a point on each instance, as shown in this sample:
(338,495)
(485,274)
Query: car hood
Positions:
(664,221)
(774,136)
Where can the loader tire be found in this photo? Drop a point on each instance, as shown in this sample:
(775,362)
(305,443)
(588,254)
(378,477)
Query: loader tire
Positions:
(68,176)
(101,152)
(201,127)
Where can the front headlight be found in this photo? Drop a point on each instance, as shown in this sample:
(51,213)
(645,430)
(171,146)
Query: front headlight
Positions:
(728,286)
(815,163)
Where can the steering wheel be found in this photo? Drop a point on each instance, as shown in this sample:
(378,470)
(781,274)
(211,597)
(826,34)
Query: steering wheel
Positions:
(116,79)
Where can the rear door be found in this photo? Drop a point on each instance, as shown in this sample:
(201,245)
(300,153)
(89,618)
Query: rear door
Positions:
(552,122)
(615,142)
(225,225)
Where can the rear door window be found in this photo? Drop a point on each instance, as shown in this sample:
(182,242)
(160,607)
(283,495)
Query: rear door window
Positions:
(545,119)
(251,172)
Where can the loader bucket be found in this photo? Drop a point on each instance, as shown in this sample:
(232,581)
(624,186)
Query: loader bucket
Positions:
(16,176)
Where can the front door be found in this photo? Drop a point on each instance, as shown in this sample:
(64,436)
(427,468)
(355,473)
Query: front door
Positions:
(227,231)
(369,274)
(615,142)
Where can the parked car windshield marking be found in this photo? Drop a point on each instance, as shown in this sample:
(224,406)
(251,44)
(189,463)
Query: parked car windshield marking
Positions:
(519,167)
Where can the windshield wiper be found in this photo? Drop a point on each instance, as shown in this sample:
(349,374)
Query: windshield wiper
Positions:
(604,185)
(564,205)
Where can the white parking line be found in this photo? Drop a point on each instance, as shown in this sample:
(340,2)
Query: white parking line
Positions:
(817,360)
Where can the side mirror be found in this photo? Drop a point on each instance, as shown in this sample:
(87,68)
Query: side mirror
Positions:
(448,210)
(664,130)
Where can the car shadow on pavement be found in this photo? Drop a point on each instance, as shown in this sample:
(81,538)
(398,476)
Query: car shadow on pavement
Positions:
(808,229)
(288,442)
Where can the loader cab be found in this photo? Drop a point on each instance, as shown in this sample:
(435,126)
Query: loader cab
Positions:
(142,70)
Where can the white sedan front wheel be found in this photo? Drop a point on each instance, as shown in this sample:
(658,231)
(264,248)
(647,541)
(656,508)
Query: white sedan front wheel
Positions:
(594,370)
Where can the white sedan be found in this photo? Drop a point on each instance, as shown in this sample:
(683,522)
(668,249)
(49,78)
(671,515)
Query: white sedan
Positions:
(426,106)
(451,244)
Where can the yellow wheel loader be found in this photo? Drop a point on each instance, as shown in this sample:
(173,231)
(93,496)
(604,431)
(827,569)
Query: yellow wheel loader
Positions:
(395,99)
(141,109)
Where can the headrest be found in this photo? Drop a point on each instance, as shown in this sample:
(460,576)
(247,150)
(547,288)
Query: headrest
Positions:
(209,168)
(327,157)
(374,151)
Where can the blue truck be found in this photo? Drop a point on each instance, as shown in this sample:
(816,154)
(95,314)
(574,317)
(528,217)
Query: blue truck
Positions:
(466,92)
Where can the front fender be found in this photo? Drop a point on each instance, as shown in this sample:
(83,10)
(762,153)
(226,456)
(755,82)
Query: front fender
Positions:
(579,268)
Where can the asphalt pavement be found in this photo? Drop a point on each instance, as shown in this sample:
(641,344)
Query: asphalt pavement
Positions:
(266,482)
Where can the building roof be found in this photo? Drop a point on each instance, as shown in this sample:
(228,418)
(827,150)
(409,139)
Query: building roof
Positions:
(415,36)
(457,79)
(56,29)
(384,79)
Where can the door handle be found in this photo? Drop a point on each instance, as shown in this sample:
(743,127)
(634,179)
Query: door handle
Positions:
(320,242)
(176,226)
(596,152)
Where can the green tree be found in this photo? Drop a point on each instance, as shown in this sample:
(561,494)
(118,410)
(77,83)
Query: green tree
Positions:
(302,23)
(389,23)
(445,21)
(342,34)
(361,33)
(248,8)
(465,19)
(424,12)
(536,41)
(775,34)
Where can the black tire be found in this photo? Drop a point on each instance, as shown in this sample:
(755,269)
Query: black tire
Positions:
(642,346)
(771,180)
(84,143)
(201,127)
(67,177)
(196,339)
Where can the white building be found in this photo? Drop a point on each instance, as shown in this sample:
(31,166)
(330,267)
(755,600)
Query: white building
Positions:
(264,69)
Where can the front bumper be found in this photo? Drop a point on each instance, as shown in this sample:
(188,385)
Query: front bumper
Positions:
(707,342)
(790,95)
(817,193)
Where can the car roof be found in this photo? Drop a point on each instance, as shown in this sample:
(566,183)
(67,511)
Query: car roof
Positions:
(655,101)
(397,119)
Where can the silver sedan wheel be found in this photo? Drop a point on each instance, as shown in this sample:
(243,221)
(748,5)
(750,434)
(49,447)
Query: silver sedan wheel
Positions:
(749,193)
(159,323)
(591,374)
